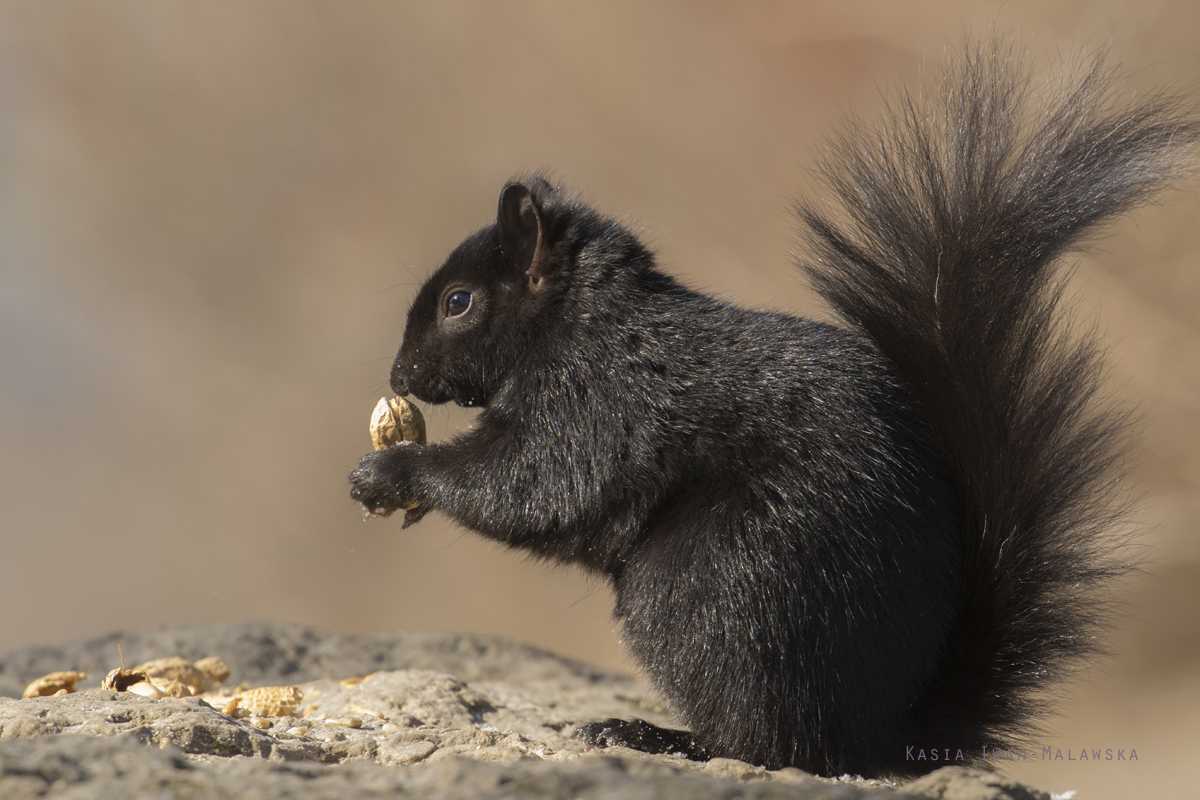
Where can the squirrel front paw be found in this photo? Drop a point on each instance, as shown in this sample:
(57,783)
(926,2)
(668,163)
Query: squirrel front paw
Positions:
(382,483)
(640,735)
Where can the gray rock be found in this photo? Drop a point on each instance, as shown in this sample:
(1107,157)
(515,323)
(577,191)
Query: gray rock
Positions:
(411,714)
(967,784)
(192,724)
(79,768)
(266,653)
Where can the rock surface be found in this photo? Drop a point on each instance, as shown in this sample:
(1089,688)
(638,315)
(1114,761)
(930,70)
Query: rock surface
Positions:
(411,714)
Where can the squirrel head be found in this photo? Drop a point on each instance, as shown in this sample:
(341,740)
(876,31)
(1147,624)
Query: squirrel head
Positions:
(508,287)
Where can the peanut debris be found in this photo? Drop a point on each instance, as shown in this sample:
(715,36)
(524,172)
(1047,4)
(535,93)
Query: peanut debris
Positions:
(145,689)
(216,669)
(265,701)
(121,679)
(195,678)
(52,684)
(347,722)
(173,677)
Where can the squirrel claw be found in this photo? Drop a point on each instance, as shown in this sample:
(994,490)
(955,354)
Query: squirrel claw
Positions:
(369,513)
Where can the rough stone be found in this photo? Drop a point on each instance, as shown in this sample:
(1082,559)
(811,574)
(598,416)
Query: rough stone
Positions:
(281,653)
(411,714)
(971,784)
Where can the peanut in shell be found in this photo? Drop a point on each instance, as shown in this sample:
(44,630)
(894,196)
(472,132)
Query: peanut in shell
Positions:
(396,420)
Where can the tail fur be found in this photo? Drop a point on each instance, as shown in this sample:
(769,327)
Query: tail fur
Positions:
(955,213)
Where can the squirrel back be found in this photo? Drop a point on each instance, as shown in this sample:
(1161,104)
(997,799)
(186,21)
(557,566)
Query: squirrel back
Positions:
(828,544)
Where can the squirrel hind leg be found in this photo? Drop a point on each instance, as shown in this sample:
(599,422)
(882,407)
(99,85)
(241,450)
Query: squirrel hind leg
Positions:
(638,734)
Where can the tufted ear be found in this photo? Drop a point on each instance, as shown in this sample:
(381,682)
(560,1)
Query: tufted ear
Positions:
(522,233)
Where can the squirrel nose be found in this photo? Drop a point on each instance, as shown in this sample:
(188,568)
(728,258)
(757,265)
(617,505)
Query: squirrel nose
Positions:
(399,383)
(398,378)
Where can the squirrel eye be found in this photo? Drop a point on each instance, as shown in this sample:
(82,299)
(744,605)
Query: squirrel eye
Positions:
(458,303)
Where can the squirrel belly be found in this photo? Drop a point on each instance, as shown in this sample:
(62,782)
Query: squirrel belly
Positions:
(828,543)
(807,582)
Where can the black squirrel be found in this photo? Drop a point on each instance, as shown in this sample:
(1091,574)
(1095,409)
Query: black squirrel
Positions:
(829,545)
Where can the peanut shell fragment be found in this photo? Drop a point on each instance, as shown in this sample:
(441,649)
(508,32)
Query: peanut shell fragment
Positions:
(52,684)
(265,701)
(346,722)
(145,689)
(173,688)
(120,679)
(215,668)
(198,678)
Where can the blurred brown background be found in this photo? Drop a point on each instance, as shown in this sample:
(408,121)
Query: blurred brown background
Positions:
(213,217)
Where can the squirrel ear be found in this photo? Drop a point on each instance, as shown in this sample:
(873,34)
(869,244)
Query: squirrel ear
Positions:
(522,234)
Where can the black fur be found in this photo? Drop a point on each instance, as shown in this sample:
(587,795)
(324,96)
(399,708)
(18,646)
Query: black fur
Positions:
(826,544)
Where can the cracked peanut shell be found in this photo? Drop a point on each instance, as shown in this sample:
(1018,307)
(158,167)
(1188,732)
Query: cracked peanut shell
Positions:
(52,684)
(199,677)
(265,701)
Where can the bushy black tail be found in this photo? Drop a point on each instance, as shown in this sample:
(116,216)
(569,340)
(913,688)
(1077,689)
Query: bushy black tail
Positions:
(954,214)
